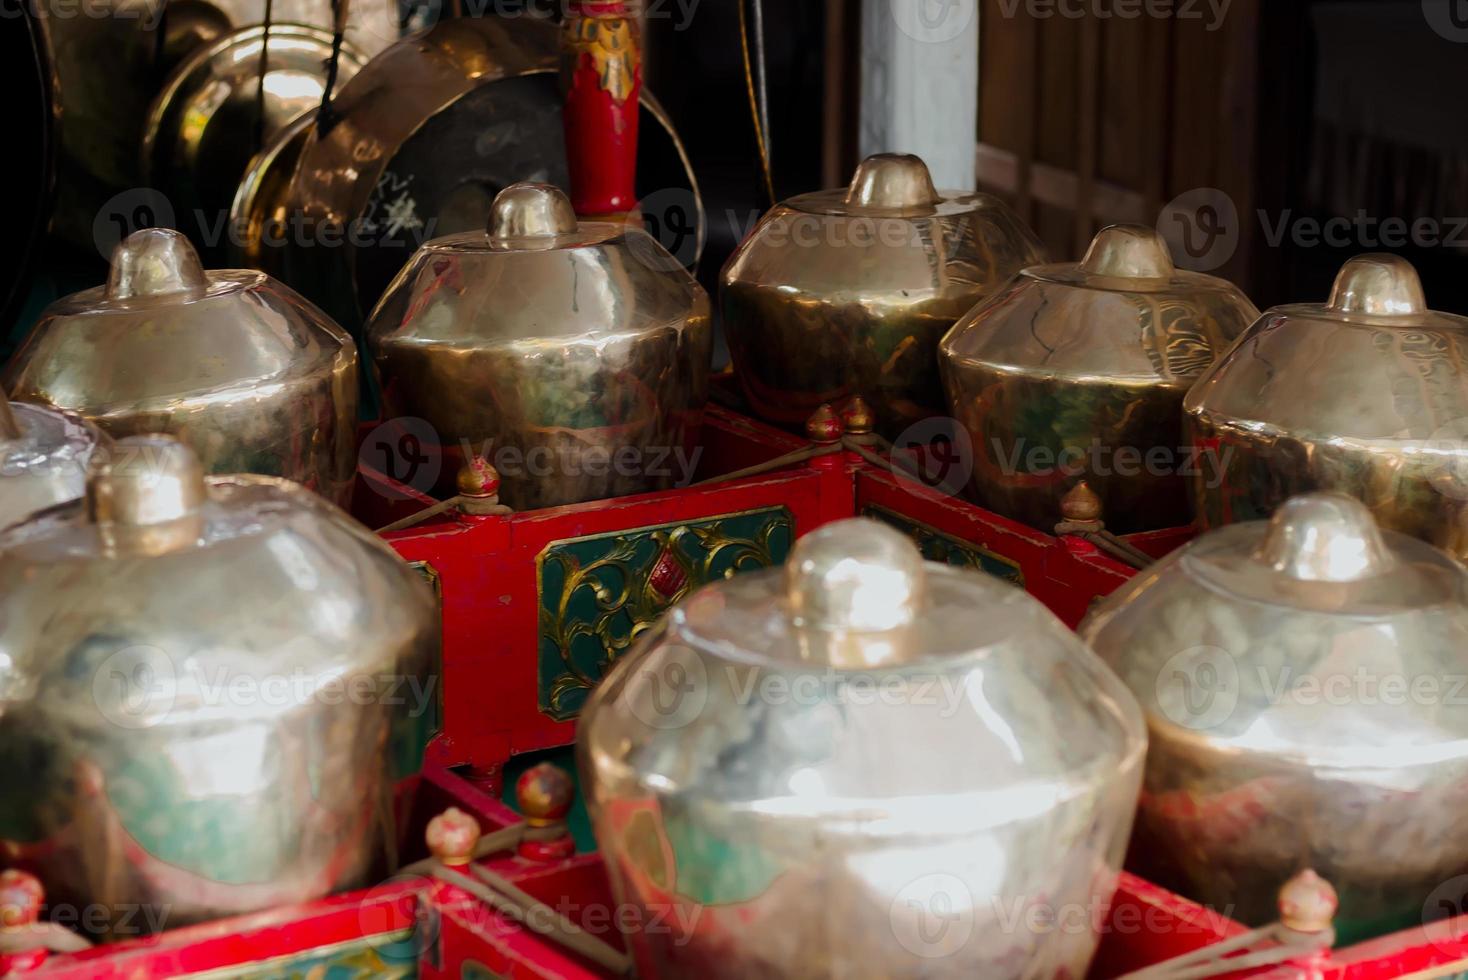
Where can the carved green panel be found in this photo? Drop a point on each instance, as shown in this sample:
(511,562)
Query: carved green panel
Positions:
(598,593)
(384,957)
(945,548)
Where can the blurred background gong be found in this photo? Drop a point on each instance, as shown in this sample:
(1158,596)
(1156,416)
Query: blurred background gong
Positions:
(225,102)
(107,70)
(420,141)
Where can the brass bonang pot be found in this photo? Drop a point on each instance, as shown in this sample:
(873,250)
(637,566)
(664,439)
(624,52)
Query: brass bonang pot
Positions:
(44,454)
(418,144)
(1366,394)
(847,292)
(574,356)
(789,825)
(254,378)
(195,717)
(1077,372)
(1301,681)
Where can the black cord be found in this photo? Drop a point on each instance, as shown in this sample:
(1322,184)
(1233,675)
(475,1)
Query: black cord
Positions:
(325,117)
(264,69)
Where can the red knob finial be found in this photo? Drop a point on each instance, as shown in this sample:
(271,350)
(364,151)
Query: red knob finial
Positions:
(451,836)
(21,898)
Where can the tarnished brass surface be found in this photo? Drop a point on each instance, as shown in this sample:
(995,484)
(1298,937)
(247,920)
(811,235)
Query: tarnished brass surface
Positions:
(847,292)
(1078,371)
(574,357)
(350,189)
(259,213)
(201,683)
(1302,682)
(862,765)
(1366,394)
(43,458)
(204,128)
(248,373)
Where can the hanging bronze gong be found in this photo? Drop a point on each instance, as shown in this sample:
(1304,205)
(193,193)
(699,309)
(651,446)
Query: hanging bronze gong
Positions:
(219,107)
(419,142)
(107,66)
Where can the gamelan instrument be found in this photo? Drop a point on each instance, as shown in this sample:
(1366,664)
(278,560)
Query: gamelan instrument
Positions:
(1078,371)
(846,292)
(192,717)
(1300,679)
(572,355)
(859,739)
(1366,393)
(253,377)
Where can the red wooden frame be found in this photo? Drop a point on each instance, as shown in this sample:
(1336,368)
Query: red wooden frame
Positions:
(485,568)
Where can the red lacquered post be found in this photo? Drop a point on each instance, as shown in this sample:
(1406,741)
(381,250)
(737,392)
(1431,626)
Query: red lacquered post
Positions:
(601,75)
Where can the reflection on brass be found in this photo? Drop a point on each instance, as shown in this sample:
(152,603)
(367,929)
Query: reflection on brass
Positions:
(202,692)
(1298,682)
(574,357)
(1366,394)
(108,66)
(241,368)
(258,215)
(808,764)
(1079,371)
(43,458)
(847,292)
(205,127)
